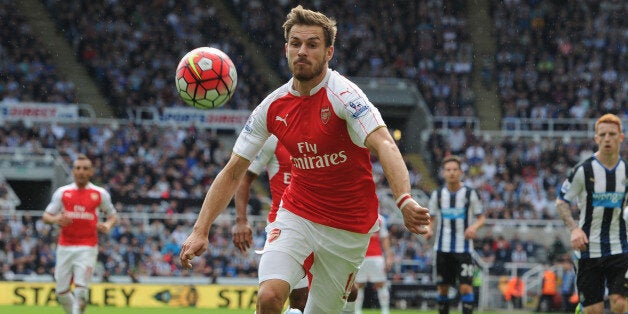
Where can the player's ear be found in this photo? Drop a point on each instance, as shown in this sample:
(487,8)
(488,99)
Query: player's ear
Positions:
(330,53)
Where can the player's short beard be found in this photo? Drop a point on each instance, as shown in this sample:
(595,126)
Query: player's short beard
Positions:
(304,76)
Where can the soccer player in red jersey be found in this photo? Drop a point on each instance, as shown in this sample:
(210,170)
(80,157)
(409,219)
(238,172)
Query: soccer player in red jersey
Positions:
(276,160)
(75,208)
(330,208)
(378,261)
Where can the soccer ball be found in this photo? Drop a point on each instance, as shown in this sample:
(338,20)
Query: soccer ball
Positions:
(206,78)
(293,311)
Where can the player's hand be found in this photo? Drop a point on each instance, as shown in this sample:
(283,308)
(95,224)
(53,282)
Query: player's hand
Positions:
(429,233)
(579,239)
(63,220)
(416,217)
(193,246)
(242,236)
(103,227)
(470,233)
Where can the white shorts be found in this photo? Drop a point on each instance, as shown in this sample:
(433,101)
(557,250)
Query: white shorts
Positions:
(74,264)
(328,257)
(373,270)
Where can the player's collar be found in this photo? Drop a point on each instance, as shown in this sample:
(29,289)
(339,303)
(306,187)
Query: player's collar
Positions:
(313,90)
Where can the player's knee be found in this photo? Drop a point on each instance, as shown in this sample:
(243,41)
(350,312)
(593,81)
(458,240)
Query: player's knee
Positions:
(298,298)
(270,299)
(618,303)
(353,295)
(81,294)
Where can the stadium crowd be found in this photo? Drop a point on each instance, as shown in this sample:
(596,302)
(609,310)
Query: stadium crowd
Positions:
(546,66)
(166,170)
(28,72)
(561,61)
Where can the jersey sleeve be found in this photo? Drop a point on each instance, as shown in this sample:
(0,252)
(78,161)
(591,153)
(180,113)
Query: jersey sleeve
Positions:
(55,206)
(476,205)
(264,157)
(433,203)
(572,186)
(352,105)
(383,230)
(106,205)
(255,132)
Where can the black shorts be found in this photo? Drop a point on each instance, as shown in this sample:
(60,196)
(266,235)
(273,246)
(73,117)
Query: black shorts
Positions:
(452,267)
(596,274)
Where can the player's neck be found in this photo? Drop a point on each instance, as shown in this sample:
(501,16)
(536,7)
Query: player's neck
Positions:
(305,87)
(608,160)
(454,186)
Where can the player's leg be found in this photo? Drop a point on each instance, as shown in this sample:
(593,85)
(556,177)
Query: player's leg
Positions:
(465,274)
(83,270)
(298,295)
(63,279)
(359,298)
(590,282)
(361,278)
(617,268)
(337,258)
(380,283)
(444,278)
(281,265)
(349,307)
(278,271)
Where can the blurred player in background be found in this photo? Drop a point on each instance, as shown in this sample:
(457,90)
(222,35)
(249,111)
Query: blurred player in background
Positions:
(276,160)
(374,268)
(458,214)
(75,208)
(329,209)
(598,186)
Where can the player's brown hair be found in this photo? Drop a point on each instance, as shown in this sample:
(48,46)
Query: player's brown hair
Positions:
(300,16)
(452,158)
(609,118)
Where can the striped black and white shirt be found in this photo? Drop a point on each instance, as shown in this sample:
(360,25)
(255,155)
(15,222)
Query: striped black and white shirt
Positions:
(456,210)
(600,194)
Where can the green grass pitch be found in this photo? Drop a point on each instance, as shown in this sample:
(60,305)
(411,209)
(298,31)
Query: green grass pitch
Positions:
(22,309)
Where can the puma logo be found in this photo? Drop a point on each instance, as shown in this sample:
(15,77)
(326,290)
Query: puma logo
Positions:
(278,118)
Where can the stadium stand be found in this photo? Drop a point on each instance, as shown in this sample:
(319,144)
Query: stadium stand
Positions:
(547,67)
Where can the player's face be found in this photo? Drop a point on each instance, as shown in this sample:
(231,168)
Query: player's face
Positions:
(452,172)
(82,172)
(608,138)
(306,52)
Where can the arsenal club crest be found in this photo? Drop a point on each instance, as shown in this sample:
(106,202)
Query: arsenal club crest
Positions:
(273,235)
(325,115)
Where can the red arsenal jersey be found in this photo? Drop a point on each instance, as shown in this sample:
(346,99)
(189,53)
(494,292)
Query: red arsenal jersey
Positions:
(331,180)
(276,159)
(82,206)
(375,243)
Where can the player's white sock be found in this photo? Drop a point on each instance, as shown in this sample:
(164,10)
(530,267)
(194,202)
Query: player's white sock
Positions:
(66,300)
(349,308)
(359,300)
(81,299)
(383,295)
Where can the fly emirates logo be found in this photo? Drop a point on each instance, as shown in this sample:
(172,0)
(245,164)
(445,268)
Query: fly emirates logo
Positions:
(80,213)
(310,159)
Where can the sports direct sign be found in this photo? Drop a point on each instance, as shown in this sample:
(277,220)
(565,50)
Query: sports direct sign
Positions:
(221,119)
(38,111)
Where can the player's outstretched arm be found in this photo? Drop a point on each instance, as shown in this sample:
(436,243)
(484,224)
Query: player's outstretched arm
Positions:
(241,231)
(579,239)
(415,216)
(216,200)
(105,226)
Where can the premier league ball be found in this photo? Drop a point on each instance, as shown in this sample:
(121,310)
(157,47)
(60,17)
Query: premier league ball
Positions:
(206,78)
